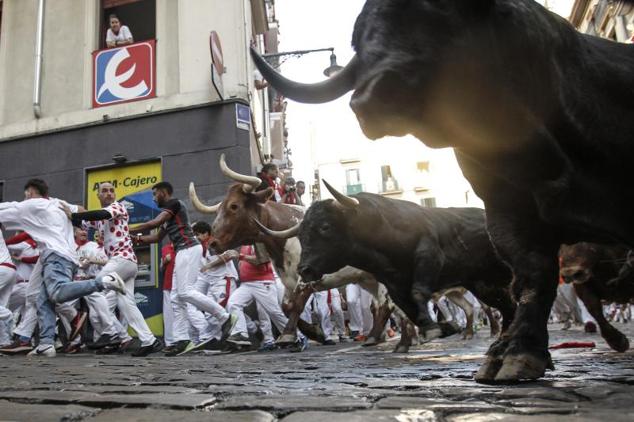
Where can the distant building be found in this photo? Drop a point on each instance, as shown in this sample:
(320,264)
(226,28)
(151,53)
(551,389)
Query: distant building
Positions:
(75,112)
(69,104)
(605,18)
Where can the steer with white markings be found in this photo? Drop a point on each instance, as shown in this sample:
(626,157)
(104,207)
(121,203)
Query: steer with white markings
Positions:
(236,225)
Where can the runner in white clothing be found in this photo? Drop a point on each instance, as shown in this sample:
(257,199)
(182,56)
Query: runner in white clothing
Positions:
(46,223)
(216,281)
(190,324)
(7,280)
(112,224)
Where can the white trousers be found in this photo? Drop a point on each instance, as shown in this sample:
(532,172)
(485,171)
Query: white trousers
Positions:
(359,301)
(189,322)
(126,303)
(209,294)
(168,318)
(264,293)
(7,280)
(18,298)
(585,315)
(328,305)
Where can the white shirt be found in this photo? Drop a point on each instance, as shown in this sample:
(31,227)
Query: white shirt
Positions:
(219,272)
(5,256)
(45,222)
(123,35)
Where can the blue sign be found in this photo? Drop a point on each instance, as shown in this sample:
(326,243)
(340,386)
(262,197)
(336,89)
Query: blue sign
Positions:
(243,116)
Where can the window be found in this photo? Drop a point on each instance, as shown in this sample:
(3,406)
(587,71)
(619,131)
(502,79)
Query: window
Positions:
(353,177)
(428,202)
(138,15)
(389,182)
(423,166)
(353,182)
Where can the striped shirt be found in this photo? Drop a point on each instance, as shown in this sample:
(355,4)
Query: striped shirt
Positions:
(177,227)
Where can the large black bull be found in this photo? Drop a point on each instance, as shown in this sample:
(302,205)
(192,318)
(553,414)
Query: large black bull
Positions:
(541,119)
(415,251)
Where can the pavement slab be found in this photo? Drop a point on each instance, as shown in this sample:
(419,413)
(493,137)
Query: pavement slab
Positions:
(345,383)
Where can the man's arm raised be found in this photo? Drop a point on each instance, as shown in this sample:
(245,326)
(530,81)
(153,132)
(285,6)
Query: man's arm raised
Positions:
(163,217)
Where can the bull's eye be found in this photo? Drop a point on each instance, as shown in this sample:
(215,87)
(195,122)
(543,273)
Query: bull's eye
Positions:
(324,228)
(233,207)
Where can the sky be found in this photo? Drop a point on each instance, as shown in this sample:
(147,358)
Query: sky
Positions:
(306,24)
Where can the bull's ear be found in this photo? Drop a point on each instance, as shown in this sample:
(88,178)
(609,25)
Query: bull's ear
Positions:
(264,195)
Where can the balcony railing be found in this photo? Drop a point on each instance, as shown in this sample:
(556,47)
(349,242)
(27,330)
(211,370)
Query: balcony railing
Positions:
(354,189)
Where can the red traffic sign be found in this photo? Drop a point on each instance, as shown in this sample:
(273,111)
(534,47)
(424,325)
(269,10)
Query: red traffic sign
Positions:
(216,52)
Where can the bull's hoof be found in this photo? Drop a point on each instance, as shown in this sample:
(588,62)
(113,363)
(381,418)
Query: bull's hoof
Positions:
(488,370)
(370,341)
(618,342)
(430,334)
(467,335)
(516,368)
(401,348)
(286,340)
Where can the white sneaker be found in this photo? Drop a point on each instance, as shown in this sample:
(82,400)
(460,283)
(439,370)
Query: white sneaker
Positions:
(46,350)
(112,281)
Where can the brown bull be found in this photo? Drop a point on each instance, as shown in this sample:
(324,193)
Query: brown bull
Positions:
(235,225)
(598,272)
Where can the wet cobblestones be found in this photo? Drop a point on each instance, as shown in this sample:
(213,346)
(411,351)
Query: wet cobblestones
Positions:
(335,383)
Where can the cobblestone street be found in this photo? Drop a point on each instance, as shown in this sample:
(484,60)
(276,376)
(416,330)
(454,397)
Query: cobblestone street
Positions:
(336,383)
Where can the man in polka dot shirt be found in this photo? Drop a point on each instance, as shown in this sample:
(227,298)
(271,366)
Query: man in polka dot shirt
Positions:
(111,222)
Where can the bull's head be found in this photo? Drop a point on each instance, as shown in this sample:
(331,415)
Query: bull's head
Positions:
(324,236)
(415,61)
(577,262)
(234,224)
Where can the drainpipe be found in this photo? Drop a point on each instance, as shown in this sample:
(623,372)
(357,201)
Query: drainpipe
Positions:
(39,40)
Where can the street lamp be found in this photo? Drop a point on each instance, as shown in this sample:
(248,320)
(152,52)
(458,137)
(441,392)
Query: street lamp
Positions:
(329,71)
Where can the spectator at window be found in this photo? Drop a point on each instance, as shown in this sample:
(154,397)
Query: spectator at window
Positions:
(259,81)
(118,34)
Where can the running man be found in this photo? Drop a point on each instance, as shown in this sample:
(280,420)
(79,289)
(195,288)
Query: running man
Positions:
(111,222)
(45,221)
(190,324)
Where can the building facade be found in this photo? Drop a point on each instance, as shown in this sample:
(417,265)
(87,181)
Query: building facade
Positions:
(75,112)
(604,18)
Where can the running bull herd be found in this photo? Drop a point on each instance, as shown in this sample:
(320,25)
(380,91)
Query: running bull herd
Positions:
(541,119)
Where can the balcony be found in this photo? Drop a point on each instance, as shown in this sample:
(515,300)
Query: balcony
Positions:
(354,189)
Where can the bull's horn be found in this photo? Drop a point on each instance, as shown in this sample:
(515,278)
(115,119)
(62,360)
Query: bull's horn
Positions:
(205,209)
(250,182)
(321,92)
(283,234)
(340,198)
